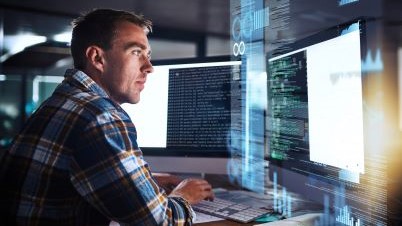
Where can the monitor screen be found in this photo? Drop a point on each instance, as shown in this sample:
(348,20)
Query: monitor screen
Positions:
(186,112)
(316,124)
(315,104)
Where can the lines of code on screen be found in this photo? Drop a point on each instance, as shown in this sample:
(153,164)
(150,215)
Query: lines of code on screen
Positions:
(288,108)
(199,107)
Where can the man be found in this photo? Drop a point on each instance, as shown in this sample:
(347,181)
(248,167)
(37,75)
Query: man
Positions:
(76,161)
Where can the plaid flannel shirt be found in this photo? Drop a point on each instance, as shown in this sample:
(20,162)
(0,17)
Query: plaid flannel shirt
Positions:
(77,162)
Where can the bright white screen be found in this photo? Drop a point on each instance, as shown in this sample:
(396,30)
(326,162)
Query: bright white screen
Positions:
(336,103)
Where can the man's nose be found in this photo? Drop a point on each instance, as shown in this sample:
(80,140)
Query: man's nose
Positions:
(148,68)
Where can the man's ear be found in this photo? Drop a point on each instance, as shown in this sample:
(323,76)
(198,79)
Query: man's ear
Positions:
(95,57)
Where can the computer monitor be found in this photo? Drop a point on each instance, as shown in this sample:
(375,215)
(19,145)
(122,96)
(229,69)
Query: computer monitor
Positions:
(186,113)
(316,127)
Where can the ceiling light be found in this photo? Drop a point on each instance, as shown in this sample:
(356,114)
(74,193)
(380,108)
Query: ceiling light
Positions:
(63,37)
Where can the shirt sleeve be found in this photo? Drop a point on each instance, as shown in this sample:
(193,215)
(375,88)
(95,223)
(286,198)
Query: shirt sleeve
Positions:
(109,171)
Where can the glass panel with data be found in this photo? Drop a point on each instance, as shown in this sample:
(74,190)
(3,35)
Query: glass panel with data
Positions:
(316,127)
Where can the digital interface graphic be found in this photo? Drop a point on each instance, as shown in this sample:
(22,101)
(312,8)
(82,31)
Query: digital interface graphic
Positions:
(320,115)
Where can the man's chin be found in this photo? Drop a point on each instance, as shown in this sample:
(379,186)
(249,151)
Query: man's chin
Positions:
(129,101)
(135,101)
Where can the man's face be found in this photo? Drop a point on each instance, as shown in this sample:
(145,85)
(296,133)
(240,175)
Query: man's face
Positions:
(127,64)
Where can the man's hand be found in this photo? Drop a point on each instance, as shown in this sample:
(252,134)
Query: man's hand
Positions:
(194,190)
(167,181)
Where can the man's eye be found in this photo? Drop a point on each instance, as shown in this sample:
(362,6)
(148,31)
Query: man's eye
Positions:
(137,52)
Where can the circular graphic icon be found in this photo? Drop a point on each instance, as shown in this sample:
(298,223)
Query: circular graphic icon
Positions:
(239,48)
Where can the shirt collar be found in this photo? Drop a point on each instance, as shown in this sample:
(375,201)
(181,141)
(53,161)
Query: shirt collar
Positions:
(85,81)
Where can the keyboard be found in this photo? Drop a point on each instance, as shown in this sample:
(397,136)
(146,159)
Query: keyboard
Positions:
(230,210)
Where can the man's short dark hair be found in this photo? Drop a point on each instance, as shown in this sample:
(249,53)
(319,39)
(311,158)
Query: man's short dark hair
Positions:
(98,27)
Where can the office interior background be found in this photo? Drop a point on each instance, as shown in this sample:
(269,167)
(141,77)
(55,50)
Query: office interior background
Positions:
(315,101)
